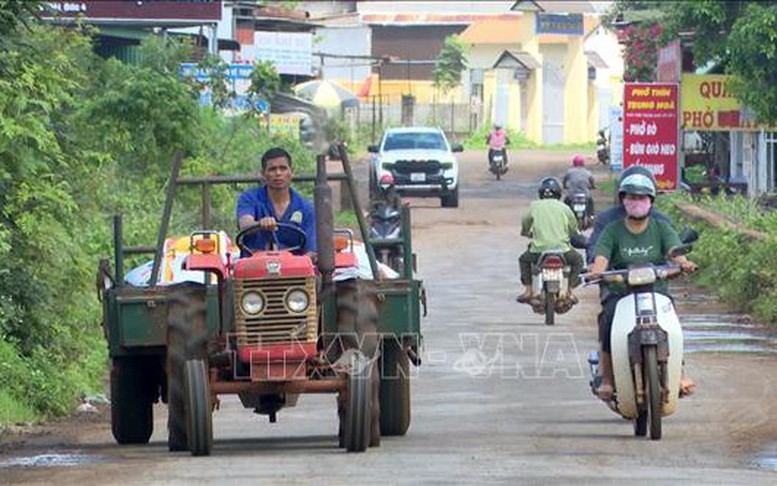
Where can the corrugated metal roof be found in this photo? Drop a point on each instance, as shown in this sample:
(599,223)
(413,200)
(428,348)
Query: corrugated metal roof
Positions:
(493,32)
(427,18)
(554,6)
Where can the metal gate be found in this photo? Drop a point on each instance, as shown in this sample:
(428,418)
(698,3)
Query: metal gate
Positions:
(552,102)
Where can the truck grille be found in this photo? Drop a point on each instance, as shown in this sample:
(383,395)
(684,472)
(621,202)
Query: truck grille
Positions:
(408,166)
(276,323)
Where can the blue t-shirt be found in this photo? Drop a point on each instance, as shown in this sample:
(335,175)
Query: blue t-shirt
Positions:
(257,204)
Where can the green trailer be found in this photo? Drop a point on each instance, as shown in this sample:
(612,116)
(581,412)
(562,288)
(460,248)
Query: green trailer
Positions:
(188,343)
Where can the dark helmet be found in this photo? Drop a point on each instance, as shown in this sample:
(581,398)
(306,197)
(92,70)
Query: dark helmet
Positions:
(638,169)
(550,188)
(637,183)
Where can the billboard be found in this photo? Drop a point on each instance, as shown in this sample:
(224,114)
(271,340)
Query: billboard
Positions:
(290,52)
(650,130)
(550,23)
(708,105)
(114,10)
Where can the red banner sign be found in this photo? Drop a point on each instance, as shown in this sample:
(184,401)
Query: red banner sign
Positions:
(650,130)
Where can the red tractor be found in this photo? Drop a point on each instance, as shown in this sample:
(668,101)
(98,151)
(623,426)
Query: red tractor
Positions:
(267,328)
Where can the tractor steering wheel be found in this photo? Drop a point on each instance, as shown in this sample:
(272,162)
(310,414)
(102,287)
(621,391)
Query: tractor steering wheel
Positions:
(249,230)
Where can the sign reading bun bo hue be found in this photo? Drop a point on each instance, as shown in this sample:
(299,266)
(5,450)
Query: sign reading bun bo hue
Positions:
(650,130)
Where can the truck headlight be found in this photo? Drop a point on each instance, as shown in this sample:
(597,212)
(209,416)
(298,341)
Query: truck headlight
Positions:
(252,303)
(297,300)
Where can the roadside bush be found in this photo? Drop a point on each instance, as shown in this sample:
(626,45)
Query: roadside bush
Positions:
(738,269)
(477,140)
(81,139)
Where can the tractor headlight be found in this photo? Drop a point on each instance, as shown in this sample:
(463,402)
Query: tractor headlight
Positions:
(297,300)
(252,303)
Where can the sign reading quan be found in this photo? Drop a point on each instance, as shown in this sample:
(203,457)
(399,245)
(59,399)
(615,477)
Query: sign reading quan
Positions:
(568,24)
(707,104)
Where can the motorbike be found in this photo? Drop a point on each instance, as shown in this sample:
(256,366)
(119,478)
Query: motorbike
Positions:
(386,225)
(497,163)
(578,203)
(603,148)
(550,286)
(646,346)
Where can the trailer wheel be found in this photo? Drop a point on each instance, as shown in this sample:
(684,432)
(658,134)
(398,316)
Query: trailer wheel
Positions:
(357,327)
(394,389)
(358,420)
(132,416)
(187,336)
(199,412)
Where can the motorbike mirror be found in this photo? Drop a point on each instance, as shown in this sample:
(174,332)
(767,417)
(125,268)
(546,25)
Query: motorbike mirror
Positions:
(679,250)
(689,235)
(579,241)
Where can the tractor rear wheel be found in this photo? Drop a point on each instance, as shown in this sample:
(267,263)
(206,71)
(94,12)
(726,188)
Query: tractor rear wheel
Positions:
(132,416)
(187,335)
(394,389)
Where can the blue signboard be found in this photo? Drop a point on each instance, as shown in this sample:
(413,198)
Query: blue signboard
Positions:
(568,24)
(234,71)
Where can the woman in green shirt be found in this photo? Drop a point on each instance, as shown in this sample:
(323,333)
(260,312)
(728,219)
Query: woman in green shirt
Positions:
(635,239)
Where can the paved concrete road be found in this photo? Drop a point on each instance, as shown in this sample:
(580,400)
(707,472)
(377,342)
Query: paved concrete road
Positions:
(500,397)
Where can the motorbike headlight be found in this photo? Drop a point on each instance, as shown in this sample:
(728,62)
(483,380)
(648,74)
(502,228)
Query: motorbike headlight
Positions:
(252,303)
(297,300)
(641,276)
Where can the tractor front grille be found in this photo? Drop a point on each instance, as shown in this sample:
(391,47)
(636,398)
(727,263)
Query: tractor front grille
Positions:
(276,324)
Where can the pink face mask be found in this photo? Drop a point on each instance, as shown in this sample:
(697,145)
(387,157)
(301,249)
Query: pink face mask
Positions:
(637,208)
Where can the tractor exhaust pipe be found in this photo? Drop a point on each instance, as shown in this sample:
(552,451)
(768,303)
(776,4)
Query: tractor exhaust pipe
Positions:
(325,226)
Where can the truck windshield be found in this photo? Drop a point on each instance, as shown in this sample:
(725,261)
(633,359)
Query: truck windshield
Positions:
(410,141)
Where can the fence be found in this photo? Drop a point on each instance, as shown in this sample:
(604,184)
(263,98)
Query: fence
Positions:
(380,112)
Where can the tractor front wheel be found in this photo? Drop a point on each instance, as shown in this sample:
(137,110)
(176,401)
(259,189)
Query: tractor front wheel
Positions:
(199,412)
(187,336)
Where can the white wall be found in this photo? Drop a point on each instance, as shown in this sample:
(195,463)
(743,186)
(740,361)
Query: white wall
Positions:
(382,7)
(352,40)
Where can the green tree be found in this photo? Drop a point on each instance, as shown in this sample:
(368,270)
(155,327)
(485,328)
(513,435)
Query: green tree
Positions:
(265,82)
(451,62)
(740,36)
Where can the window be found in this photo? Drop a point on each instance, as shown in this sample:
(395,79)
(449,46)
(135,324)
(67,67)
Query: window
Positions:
(411,141)
(770,139)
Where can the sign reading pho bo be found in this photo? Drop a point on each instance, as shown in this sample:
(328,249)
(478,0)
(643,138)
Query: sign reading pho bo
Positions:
(708,105)
(650,130)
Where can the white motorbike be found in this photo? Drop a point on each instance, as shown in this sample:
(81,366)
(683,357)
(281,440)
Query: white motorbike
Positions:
(646,347)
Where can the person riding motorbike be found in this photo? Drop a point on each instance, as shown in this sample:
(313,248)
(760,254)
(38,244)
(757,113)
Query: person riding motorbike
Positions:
(497,142)
(578,179)
(637,238)
(550,224)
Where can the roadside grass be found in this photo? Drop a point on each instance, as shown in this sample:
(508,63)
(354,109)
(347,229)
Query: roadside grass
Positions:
(12,411)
